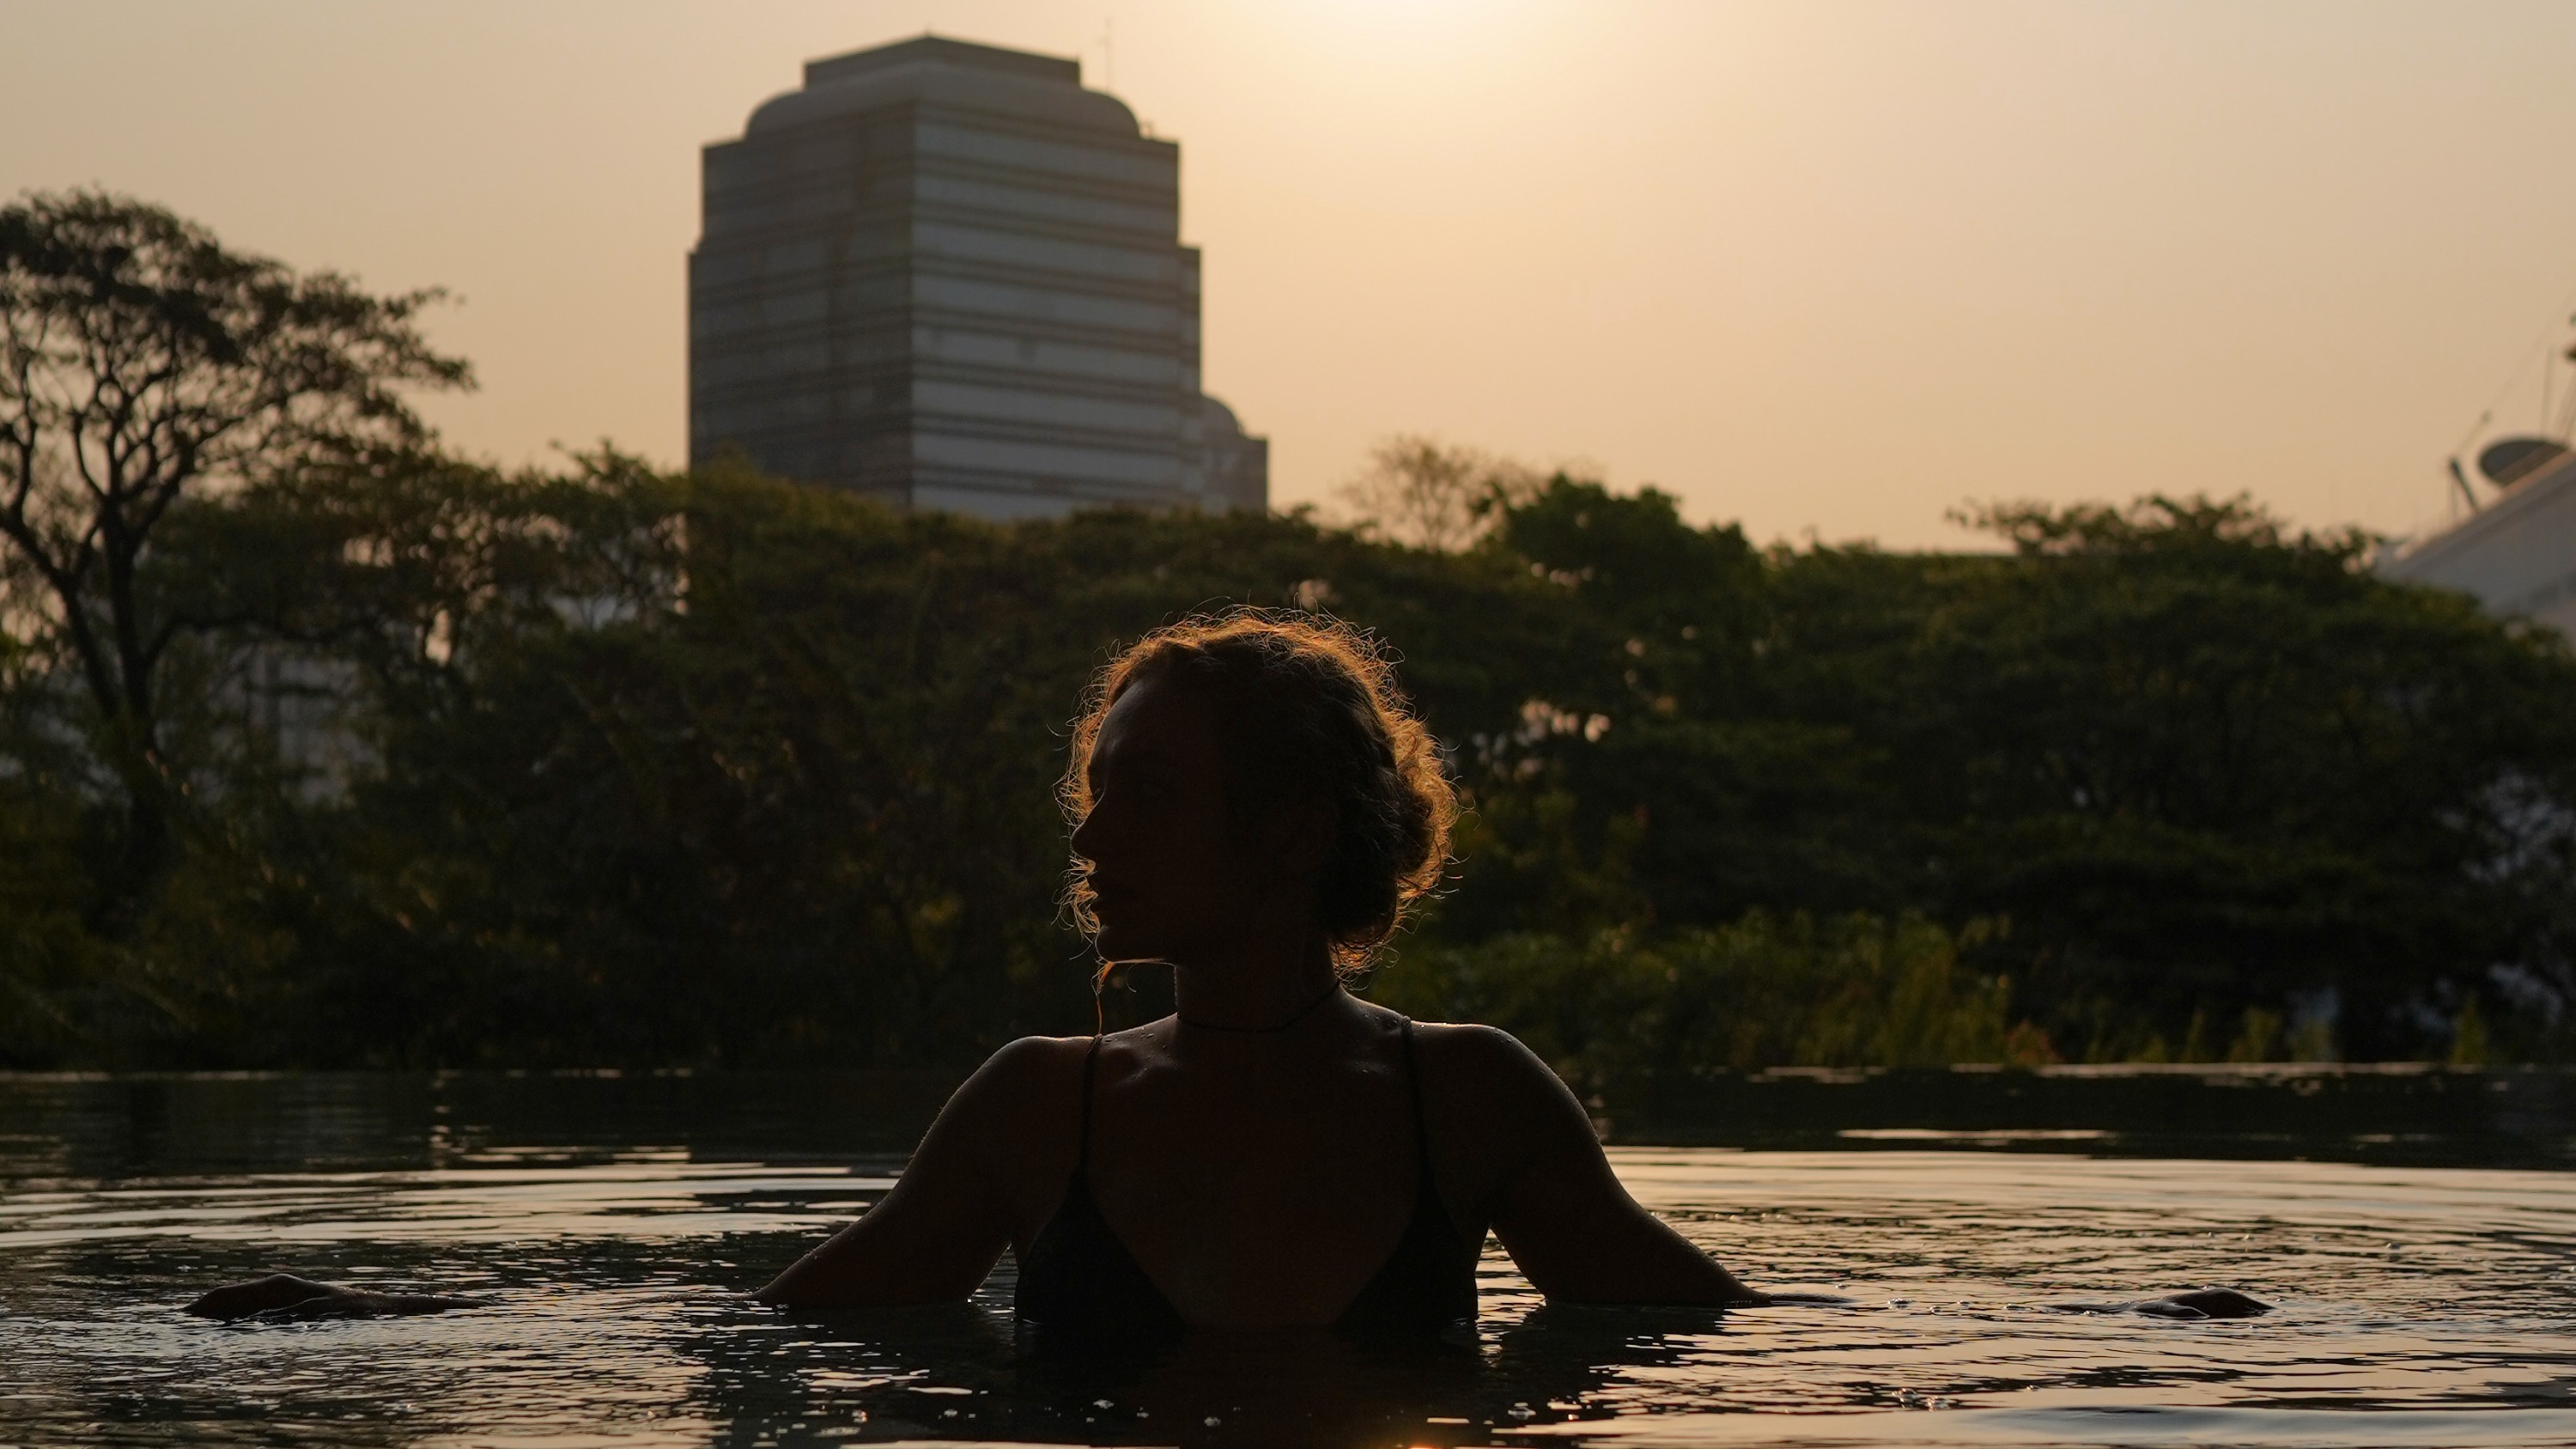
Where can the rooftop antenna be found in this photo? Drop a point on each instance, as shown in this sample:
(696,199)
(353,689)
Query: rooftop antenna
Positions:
(2462,479)
(2467,493)
(2567,410)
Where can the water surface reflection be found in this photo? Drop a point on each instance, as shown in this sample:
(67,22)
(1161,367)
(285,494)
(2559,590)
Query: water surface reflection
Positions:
(2419,1304)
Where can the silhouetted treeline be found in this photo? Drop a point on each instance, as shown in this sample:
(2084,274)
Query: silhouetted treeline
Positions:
(610,767)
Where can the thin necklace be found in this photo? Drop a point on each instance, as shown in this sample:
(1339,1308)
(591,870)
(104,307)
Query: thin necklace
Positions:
(1303,1012)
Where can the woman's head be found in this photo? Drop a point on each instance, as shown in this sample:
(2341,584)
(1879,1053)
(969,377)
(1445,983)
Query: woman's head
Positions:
(1223,760)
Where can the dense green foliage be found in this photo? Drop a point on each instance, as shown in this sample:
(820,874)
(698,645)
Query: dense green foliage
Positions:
(619,768)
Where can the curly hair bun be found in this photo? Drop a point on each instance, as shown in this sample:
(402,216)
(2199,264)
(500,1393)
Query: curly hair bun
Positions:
(1308,709)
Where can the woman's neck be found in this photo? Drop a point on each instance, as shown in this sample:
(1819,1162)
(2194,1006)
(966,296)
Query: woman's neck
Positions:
(1276,1028)
(1249,993)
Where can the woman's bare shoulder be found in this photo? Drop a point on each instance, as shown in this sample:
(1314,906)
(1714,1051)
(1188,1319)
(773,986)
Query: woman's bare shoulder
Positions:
(1011,1093)
(1014,1121)
(1039,1053)
(1485,1076)
(1045,1071)
(1495,1108)
(1480,1057)
(1041,1065)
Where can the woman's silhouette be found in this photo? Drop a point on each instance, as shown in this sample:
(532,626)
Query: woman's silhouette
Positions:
(1254,804)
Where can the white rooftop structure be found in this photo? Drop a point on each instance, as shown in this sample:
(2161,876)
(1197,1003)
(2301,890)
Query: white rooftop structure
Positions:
(2517,554)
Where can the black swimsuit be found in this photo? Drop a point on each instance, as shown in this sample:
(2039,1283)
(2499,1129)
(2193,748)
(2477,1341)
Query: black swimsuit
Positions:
(1077,1277)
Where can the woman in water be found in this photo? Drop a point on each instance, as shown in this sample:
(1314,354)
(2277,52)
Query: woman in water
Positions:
(1254,804)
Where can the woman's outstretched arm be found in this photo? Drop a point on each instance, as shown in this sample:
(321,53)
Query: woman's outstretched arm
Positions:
(938,1232)
(1579,1237)
(1559,1209)
(932,1238)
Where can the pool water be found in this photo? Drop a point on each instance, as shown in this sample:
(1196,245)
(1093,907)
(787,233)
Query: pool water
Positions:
(610,1220)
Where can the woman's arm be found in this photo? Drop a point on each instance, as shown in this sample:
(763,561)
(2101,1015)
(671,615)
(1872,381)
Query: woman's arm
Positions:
(935,1236)
(1560,1211)
(931,1239)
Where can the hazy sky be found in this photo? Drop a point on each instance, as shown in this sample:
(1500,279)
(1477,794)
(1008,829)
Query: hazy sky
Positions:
(1814,266)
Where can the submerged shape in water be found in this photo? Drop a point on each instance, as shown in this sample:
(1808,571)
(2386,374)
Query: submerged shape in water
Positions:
(284,1296)
(2200,1303)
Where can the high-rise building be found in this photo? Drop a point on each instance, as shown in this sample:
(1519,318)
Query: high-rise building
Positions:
(949,276)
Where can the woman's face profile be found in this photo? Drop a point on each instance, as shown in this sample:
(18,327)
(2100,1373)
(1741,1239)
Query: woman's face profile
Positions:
(1170,873)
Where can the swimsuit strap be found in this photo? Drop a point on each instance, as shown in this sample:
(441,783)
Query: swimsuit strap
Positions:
(1421,1121)
(1083,1161)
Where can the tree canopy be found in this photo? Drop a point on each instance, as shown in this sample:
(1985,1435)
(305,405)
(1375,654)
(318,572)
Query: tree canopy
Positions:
(140,359)
(605,766)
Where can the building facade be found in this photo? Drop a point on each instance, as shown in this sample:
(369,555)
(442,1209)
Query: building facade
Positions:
(948,276)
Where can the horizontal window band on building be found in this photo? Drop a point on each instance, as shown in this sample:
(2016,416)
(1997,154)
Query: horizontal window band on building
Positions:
(752,235)
(957,304)
(859,220)
(756,427)
(1076,266)
(886,271)
(1121,219)
(951,423)
(1100,166)
(1004,482)
(753,388)
(718,339)
(1160,149)
(785,313)
(996,461)
(976,428)
(851,175)
(789,316)
(892,390)
(799,181)
(1098,469)
(1013,161)
(1125,377)
(963,141)
(833,361)
(1032,192)
(775,301)
(1084,387)
(876,385)
(891,276)
(964,239)
(883,386)
(769,210)
(1099,271)
(920,116)
(749,206)
(1083,422)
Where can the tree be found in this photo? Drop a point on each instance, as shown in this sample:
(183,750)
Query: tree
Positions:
(140,361)
(2204,761)
(1419,491)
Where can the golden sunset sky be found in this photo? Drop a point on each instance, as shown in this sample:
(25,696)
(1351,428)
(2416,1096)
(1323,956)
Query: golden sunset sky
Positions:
(1818,267)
